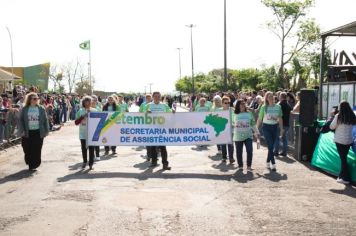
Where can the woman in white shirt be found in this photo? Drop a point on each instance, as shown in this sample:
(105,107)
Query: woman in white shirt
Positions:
(342,124)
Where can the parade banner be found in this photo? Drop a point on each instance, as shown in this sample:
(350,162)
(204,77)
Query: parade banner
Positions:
(158,129)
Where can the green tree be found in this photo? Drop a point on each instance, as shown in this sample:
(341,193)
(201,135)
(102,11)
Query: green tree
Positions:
(293,29)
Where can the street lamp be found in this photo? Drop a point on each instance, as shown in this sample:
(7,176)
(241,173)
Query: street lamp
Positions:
(225,53)
(12,55)
(180,65)
(150,84)
(191,45)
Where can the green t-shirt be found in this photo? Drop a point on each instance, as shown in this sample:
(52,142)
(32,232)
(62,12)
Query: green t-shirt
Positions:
(123,107)
(160,107)
(33,118)
(243,124)
(209,104)
(205,108)
(272,115)
(213,109)
(83,125)
(143,107)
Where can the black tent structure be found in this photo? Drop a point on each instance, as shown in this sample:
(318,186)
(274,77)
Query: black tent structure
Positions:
(348,30)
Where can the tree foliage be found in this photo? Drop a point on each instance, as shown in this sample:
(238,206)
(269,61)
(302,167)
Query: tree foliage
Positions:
(294,30)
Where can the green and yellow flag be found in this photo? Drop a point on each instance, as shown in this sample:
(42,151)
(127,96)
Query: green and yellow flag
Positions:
(85,45)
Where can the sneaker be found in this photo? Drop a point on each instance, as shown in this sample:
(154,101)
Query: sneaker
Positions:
(106,153)
(97,159)
(241,167)
(341,181)
(84,165)
(249,168)
(91,168)
(232,161)
(283,154)
(113,152)
(223,160)
(273,168)
(268,165)
(276,154)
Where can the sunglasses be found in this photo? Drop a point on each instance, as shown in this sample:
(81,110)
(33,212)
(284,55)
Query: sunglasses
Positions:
(34,98)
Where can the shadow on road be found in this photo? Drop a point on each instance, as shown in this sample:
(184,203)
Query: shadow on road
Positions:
(286,159)
(143,165)
(147,174)
(23,174)
(243,178)
(347,191)
(200,148)
(224,167)
(273,176)
(216,157)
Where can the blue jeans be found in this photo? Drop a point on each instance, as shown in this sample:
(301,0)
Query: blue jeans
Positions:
(284,141)
(270,134)
(239,150)
(63,115)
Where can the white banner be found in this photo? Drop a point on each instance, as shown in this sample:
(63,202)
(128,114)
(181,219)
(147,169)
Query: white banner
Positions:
(158,129)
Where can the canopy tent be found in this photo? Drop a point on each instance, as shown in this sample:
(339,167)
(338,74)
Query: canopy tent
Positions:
(7,76)
(342,31)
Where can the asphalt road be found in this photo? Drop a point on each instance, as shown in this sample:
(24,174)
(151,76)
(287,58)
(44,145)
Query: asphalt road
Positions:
(199,196)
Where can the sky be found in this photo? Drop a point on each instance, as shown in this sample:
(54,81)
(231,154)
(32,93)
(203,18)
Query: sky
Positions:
(135,42)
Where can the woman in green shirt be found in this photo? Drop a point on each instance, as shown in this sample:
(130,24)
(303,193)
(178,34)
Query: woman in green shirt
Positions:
(270,116)
(217,106)
(227,148)
(81,120)
(33,128)
(244,125)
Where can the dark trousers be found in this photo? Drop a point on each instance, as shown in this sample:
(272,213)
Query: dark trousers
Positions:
(107,148)
(152,151)
(32,147)
(85,152)
(97,151)
(225,148)
(239,150)
(270,134)
(343,150)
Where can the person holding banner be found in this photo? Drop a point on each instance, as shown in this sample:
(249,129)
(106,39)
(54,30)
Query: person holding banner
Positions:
(244,123)
(270,116)
(156,107)
(123,107)
(342,124)
(202,107)
(81,120)
(143,108)
(227,147)
(110,106)
(143,105)
(217,106)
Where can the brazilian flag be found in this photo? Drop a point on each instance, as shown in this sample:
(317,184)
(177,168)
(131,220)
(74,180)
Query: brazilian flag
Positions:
(85,45)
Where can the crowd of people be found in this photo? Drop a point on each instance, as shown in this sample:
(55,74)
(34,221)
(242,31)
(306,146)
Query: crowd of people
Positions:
(254,114)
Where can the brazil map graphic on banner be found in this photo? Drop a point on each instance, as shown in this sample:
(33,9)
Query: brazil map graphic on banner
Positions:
(155,129)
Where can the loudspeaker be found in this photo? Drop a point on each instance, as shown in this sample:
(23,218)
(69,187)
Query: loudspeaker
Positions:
(308,107)
(306,140)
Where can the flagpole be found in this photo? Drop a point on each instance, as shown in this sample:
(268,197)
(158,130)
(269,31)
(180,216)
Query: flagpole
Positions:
(89,68)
